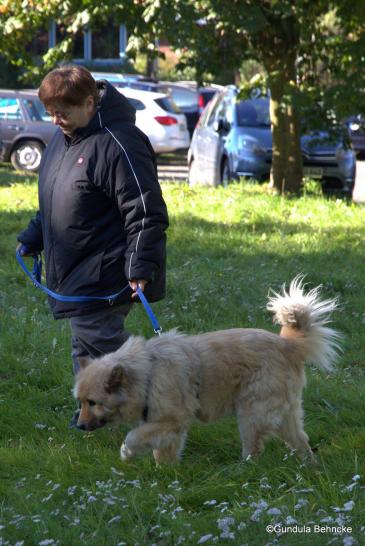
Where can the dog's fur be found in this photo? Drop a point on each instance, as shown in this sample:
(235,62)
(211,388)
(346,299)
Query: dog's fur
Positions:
(166,382)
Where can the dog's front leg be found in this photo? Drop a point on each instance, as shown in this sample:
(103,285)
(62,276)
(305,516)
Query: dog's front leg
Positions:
(165,439)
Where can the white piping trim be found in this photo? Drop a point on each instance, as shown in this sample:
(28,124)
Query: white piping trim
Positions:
(101,125)
(140,192)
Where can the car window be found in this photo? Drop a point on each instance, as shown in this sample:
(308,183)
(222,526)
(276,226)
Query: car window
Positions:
(35,109)
(253,113)
(168,105)
(137,104)
(214,110)
(223,108)
(184,97)
(206,95)
(9,109)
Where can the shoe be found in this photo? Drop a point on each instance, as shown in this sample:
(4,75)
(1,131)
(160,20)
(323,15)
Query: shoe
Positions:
(75,418)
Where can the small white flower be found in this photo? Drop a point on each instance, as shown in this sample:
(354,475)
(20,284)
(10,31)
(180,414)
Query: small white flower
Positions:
(274,512)
(348,541)
(113,520)
(210,502)
(224,523)
(204,539)
(228,534)
(46,499)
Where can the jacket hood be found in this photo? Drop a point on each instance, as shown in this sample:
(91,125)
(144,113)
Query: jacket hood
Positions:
(113,107)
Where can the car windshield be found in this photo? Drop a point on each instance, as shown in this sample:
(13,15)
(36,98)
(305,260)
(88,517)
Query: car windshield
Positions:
(253,113)
(35,109)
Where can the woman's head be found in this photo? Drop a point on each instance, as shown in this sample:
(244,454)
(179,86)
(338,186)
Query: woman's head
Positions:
(70,96)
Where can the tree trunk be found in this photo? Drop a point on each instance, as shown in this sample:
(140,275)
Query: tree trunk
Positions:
(286,168)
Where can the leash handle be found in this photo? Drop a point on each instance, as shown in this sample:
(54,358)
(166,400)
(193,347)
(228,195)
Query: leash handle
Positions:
(156,327)
(36,275)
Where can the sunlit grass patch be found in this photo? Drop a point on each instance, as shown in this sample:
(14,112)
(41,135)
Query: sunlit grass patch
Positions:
(226,249)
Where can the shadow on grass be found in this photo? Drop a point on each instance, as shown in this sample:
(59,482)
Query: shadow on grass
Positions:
(16,177)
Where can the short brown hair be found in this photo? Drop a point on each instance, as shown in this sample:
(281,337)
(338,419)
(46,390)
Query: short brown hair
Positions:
(69,85)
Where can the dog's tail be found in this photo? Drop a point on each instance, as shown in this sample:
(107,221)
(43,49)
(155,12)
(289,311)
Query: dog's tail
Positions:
(305,315)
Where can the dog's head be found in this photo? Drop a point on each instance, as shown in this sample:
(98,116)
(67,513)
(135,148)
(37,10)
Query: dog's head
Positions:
(100,390)
(107,387)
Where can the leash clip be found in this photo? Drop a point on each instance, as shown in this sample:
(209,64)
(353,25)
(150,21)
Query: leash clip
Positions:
(156,327)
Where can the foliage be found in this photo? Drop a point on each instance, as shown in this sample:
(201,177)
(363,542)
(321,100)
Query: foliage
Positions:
(227,247)
(309,52)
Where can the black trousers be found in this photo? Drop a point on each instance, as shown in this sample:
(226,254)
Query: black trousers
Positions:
(98,333)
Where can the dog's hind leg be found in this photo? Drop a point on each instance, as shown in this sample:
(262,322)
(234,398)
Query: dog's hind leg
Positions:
(292,432)
(252,438)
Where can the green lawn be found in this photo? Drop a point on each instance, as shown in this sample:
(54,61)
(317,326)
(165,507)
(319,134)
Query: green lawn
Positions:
(226,248)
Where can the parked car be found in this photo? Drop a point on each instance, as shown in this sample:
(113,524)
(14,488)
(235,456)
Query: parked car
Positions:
(115,78)
(160,119)
(233,139)
(25,129)
(189,99)
(356,125)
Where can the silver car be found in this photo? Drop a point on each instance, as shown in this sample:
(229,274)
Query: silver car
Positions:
(233,139)
(25,129)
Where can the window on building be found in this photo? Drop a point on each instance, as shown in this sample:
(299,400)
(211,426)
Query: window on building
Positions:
(105,42)
(77,51)
(39,44)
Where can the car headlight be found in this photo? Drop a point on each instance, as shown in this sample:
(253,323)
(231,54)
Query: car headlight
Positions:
(249,145)
(354,126)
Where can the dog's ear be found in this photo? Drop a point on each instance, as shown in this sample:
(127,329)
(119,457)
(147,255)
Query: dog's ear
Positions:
(84,361)
(116,379)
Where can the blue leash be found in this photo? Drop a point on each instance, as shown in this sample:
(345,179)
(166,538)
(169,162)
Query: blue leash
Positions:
(36,276)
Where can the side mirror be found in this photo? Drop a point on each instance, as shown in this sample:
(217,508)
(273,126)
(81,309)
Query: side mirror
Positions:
(221,126)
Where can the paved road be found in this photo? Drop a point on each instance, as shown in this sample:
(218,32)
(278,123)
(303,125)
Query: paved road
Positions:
(359,190)
(174,167)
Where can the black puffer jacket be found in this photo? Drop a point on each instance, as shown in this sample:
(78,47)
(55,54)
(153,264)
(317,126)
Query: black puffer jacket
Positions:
(102,217)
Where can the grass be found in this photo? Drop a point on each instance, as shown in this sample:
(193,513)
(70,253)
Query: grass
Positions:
(226,248)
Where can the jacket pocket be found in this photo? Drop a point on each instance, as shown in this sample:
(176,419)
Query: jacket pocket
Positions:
(84,276)
(82,185)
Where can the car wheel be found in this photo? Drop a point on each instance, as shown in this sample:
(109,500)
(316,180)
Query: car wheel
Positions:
(27,155)
(193,173)
(225,174)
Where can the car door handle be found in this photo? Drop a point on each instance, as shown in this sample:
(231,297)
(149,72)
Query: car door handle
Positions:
(15,127)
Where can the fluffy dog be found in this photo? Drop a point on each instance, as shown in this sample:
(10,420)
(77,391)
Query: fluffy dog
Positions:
(167,382)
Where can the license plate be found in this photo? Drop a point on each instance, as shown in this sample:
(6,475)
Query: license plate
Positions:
(312,172)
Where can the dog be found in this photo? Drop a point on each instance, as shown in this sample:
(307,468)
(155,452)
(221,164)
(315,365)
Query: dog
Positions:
(167,382)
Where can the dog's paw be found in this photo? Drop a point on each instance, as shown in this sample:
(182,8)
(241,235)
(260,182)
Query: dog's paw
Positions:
(125,452)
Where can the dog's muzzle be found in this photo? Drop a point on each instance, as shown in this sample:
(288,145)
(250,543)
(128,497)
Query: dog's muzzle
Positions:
(92,425)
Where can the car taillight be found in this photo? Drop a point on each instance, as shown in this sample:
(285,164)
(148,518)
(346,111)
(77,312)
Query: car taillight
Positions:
(166,120)
(201,103)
